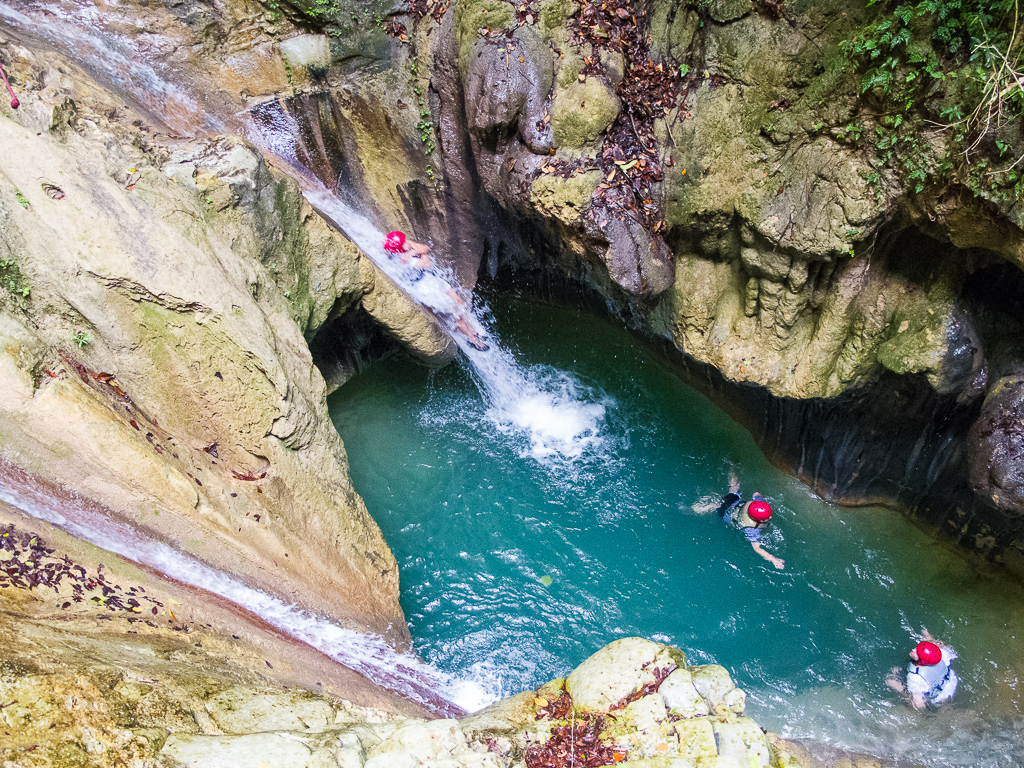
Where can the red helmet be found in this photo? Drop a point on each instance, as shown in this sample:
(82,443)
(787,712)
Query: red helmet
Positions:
(394,242)
(759,510)
(928,654)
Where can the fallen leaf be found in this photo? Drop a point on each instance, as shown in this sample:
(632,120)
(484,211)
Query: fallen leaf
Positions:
(612,175)
(55,192)
(521,60)
(546,580)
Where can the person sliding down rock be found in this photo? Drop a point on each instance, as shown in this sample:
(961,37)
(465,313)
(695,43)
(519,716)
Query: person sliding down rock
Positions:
(416,257)
(751,517)
(930,678)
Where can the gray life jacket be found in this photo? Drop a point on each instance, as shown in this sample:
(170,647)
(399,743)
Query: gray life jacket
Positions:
(936,675)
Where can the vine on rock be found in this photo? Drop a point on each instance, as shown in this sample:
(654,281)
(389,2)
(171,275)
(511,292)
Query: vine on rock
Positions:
(957,63)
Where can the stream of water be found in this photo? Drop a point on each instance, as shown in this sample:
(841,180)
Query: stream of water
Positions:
(547,500)
(527,540)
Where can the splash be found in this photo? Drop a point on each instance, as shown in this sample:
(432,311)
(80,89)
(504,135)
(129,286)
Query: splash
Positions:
(561,419)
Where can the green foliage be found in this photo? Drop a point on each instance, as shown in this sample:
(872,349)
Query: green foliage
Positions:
(967,50)
(22,200)
(13,280)
(425,125)
(323,9)
(81,338)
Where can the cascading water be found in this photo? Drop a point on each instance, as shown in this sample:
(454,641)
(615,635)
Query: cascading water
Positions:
(76,30)
(543,404)
(525,568)
(367,654)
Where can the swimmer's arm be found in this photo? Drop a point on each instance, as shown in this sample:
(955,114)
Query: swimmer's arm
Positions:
(778,562)
(917,701)
(421,259)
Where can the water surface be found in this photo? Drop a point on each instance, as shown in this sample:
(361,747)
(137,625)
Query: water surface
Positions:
(526,541)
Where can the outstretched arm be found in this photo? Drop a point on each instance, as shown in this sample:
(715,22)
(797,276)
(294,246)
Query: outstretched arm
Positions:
(778,562)
(422,260)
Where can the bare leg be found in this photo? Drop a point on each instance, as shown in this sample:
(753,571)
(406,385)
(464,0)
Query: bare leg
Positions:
(468,331)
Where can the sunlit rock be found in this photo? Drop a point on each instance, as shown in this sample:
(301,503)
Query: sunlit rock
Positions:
(712,682)
(681,696)
(617,670)
(582,112)
(696,739)
(743,740)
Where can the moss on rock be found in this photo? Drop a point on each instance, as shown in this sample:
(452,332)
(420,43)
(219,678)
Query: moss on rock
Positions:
(564,199)
(582,112)
(473,15)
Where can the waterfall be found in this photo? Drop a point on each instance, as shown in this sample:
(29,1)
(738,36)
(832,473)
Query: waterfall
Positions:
(559,417)
(367,654)
(115,60)
(543,404)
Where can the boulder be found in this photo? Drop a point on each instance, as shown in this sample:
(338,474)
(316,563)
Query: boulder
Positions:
(681,696)
(618,670)
(713,683)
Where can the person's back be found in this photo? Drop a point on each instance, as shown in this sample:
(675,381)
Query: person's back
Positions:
(751,517)
(936,682)
(930,676)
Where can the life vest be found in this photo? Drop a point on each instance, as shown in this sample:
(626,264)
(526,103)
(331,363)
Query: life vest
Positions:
(741,517)
(940,678)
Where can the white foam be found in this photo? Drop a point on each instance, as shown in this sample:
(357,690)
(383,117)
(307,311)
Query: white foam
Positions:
(549,407)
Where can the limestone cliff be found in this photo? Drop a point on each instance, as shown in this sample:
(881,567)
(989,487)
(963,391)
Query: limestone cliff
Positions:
(157,293)
(745,181)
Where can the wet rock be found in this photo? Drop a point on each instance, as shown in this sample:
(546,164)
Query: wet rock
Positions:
(996,445)
(209,353)
(506,86)
(637,260)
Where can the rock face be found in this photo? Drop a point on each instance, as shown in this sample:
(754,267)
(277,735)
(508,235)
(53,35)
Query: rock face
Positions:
(715,171)
(105,664)
(157,293)
(710,170)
